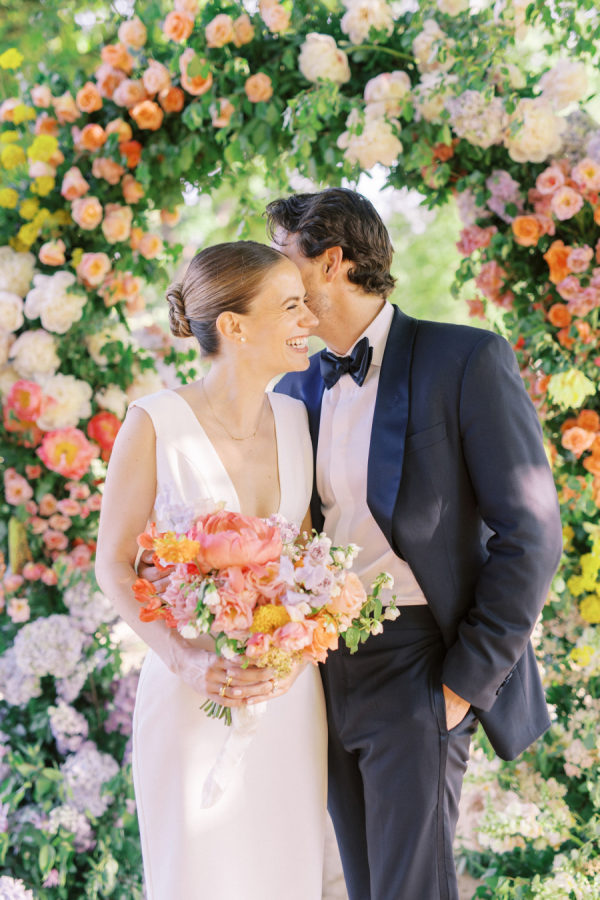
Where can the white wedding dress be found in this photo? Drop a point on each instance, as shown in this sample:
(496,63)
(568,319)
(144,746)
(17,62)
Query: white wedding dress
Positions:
(264,838)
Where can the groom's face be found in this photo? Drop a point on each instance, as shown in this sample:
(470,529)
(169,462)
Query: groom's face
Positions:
(312,274)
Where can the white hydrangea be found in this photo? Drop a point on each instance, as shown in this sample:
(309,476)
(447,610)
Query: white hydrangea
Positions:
(70,687)
(34,354)
(85,773)
(89,608)
(534,132)
(384,93)
(113,399)
(53,303)
(16,271)
(69,728)
(431,48)
(564,83)
(11,311)
(376,142)
(477,119)
(14,889)
(17,688)
(362,15)
(321,59)
(431,94)
(96,341)
(49,646)
(71,819)
(143,383)
(71,402)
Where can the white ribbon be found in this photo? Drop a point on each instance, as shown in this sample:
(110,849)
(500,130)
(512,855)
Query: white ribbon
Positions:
(244,724)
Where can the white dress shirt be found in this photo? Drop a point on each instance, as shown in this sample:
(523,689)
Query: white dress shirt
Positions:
(342,460)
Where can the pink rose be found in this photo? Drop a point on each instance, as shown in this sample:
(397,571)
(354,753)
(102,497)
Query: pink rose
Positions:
(294,636)
(550,180)
(93,268)
(52,253)
(18,610)
(74,184)
(230,539)
(41,96)
(108,169)
(68,507)
(579,258)
(59,522)
(569,288)
(257,645)
(221,112)
(49,577)
(156,77)
(48,505)
(12,582)
(17,490)
(275,16)
(490,279)
(129,93)
(117,223)
(587,174)
(87,212)
(55,540)
(33,571)
(474,238)
(566,203)
(37,525)
(108,79)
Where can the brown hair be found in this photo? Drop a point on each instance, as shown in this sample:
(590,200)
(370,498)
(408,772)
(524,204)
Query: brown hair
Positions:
(223,278)
(338,217)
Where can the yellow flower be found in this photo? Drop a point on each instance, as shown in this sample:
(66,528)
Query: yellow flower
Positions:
(62,217)
(28,233)
(76,255)
(17,245)
(173,549)
(42,147)
(582,656)
(41,217)
(575,585)
(8,198)
(568,534)
(12,156)
(9,137)
(590,609)
(29,208)
(569,389)
(269,617)
(22,113)
(11,59)
(43,185)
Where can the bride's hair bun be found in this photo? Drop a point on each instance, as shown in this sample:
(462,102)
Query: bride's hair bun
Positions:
(178,321)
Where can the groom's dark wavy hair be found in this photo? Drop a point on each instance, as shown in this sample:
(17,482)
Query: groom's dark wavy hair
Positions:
(338,217)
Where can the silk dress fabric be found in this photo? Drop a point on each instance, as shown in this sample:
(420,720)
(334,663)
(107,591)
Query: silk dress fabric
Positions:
(264,839)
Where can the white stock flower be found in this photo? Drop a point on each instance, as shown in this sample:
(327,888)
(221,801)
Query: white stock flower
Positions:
(362,15)
(564,83)
(34,354)
(476,119)
(321,58)
(431,48)
(144,383)
(71,402)
(113,399)
(16,271)
(11,311)
(376,143)
(384,93)
(53,303)
(537,131)
(96,341)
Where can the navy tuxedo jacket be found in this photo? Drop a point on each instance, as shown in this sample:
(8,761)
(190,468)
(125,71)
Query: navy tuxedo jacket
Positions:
(459,483)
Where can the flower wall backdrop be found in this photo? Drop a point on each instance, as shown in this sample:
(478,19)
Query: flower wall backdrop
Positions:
(478,102)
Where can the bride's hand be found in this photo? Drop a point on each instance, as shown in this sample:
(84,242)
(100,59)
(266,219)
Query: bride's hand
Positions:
(228,684)
(281,684)
(159,578)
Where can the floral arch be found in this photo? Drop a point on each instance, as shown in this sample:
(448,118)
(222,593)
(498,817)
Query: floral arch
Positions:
(475,101)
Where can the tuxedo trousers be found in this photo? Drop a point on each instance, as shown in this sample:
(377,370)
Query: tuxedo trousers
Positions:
(395,771)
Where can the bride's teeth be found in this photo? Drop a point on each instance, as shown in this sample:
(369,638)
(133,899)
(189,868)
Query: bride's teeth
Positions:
(297,342)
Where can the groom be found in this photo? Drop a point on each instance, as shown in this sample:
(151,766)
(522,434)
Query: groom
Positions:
(429,456)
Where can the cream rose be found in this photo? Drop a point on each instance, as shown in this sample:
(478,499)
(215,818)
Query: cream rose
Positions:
(113,399)
(117,223)
(11,311)
(385,92)
(41,96)
(129,92)
(480,121)
(16,271)
(321,59)
(8,376)
(362,15)
(34,354)
(376,143)
(93,268)
(565,83)
(53,303)
(5,343)
(539,132)
(275,16)
(431,48)
(431,94)
(70,402)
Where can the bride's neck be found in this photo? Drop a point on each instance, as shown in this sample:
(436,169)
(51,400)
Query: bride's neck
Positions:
(238,395)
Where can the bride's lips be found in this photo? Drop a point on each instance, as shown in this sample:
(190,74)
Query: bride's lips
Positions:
(300,344)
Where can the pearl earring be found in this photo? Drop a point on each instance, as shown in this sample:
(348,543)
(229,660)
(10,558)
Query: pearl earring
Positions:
(243,339)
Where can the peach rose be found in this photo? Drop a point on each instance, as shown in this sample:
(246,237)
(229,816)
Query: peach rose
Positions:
(147,115)
(156,78)
(88,99)
(258,88)
(559,315)
(527,230)
(91,137)
(257,645)
(550,180)
(294,636)
(133,33)
(129,92)
(65,108)
(120,127)
(116,55)
(566,203)
(74,184)
(133,191)
(172,99)
(150,246)
(349,601)
(325,638)
(52,253)
(108,169)
(193,84)
(589,419)
(230,539)
(577,440)
(556,257)
(135,237)
(243,30)
(132,151)
(41,96)
(117,223)
(221,112)
(93,269)
(178,26)
(219,31)
(170,217)
(45,124)
(108,79)
(87,212)
(233,618)
(186,6)
(275,16)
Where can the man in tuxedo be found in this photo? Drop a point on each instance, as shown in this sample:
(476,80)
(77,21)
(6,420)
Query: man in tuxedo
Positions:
(429,456)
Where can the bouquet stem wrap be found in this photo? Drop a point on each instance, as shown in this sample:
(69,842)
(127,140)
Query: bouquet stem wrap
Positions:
(244,724)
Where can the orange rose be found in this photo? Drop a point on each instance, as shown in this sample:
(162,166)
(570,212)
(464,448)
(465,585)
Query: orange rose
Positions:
(147,115)
(108,79)
(129,92)
(243,30)
(120,127)
(565,339)
(116,55)
(527,230)
(585,332)
(87,212)
(589,419)
(45,124)
(178,26)
(132,151)
(556,257)
(156,78)
(132,189)
(52,253)
(195,84)
(559,315)
(133,33)
(170,217)
(74,184)
(221,112)
(117,223)
(347,604)
(172,99)
(577,440)
(93,268)
(91,137)
(150,246)
(219,31)
(65,108)
(108,169)
(88,98)
(258,88)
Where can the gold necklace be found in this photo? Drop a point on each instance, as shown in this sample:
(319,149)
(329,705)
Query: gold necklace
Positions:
(222,424)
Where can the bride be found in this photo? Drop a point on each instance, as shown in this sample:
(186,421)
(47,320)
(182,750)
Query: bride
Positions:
(179,453)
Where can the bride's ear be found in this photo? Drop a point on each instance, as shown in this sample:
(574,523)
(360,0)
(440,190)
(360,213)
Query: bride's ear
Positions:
(230,327)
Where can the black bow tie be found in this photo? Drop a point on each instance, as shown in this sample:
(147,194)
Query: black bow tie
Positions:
(356,365)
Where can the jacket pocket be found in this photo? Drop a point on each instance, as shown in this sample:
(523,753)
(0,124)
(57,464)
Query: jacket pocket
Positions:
(421,439)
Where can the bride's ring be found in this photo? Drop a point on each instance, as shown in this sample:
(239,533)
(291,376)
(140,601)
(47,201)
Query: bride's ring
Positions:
(275,684)
(222,691)
(229,680)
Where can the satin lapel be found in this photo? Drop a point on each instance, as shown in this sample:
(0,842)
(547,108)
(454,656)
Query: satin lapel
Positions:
(313,399)
(386,452)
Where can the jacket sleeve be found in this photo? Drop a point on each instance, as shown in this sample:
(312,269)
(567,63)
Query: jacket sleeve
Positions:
(513,484)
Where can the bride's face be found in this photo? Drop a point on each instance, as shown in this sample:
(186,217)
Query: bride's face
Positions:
(278,323)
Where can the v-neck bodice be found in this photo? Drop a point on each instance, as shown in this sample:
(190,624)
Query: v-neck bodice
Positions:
(191,479)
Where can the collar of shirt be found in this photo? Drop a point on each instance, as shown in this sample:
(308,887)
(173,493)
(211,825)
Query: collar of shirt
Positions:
(377,332)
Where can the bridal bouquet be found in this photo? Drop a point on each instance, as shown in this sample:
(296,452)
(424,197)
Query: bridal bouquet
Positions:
(261,590)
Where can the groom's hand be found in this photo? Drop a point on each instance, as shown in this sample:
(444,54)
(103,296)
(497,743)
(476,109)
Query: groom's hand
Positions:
(159,578)
(456,708)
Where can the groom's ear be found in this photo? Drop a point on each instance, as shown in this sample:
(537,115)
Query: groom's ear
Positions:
(333,259)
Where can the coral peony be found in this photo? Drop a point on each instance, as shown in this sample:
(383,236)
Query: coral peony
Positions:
(103,429)
(230,539)
(67,451)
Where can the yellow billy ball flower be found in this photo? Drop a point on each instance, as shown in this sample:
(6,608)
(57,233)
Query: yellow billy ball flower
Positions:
(590,609)
(42,147)
(269,617)
(8,198)
(575,585)
(41,217)
(582,656)
(76,255)
(12,156)
(29,208)
(28,233)
(568,533)
(43,185)
(62,217)
(17,245)
(22,113)
(11,59)
(9,137)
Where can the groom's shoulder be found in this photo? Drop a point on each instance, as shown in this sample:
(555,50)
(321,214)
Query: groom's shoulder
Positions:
(297,384)
(448,337)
